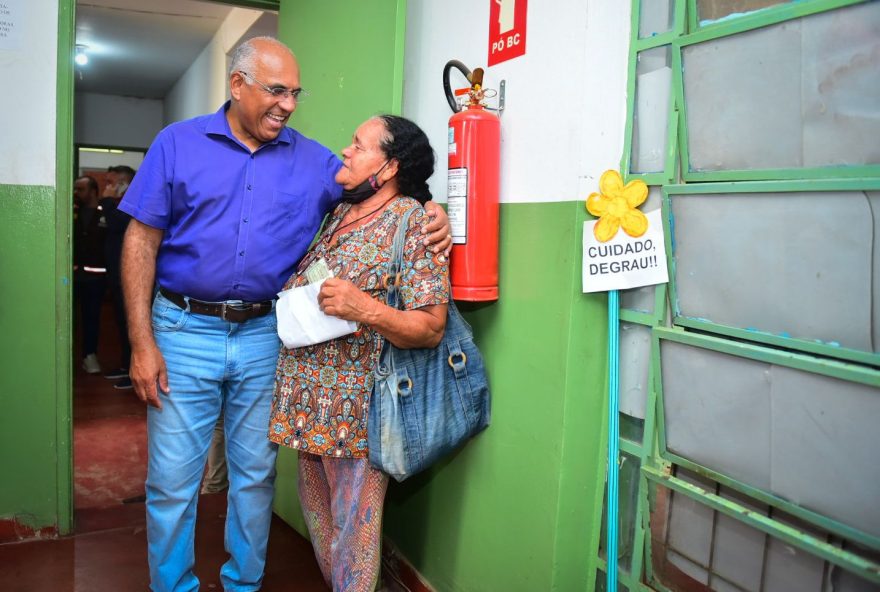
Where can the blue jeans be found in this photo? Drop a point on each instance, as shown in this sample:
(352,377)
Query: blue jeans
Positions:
(212,365)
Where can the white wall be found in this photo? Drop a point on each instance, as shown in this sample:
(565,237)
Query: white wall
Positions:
(565,116)
(203,87)
(28,58)
(112,120)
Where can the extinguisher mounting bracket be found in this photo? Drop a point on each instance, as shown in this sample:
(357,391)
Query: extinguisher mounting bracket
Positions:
(502,87)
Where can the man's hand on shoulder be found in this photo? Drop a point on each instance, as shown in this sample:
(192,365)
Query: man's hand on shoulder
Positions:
(438,234)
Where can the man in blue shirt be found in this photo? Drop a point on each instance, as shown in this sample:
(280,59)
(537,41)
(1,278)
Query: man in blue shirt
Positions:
(223,206)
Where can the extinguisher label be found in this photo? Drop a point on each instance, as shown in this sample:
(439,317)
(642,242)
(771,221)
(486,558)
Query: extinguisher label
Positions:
(456,206)
(453,149)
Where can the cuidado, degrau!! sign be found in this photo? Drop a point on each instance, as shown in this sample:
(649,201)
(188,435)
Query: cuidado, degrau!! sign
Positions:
(615,260)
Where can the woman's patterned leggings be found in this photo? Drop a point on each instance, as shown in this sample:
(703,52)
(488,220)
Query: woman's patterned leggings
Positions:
(342,502)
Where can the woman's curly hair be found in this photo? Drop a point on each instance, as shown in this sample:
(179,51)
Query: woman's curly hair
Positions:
(405,142)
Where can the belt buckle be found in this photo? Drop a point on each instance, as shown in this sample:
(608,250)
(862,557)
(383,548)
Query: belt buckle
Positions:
(226,308)
(242,308)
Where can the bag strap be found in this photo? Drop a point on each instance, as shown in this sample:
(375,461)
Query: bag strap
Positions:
(454,320)
(396,266)
(385,365)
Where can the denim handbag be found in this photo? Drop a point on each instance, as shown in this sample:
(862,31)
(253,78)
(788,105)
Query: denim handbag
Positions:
(427,401)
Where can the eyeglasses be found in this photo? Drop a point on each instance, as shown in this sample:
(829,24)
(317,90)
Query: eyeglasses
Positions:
(279,92)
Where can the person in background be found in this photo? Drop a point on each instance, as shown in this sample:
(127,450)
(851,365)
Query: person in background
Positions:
(322,391)
(216,477)
(223,208)
(119,179)
(89,268)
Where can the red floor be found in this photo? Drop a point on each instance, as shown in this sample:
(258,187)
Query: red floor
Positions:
(108,551)
(109,444)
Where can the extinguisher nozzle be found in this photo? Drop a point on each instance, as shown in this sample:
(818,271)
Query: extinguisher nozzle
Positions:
(476,77)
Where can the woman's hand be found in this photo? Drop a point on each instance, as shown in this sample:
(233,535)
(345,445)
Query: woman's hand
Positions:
(439,235)
(422,327)
(341,298)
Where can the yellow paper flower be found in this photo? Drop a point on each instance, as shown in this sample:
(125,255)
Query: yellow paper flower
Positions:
(616,205)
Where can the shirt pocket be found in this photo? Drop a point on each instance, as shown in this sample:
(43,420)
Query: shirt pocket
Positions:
(288,216)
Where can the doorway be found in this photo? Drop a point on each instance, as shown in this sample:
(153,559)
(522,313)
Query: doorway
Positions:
(137,70)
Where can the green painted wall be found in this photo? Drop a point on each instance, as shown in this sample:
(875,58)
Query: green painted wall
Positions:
(351,70)
(518,508)
(35,487)
(35,310)
(350,77)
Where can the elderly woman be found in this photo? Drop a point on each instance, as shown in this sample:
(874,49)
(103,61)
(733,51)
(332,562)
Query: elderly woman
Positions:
(322,392)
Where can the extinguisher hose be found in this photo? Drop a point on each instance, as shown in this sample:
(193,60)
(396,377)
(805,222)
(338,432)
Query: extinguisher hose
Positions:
(450,96)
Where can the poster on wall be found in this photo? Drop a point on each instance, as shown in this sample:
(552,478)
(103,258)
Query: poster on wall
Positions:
(624,248)
(11,25)
(507,30)
(625,262)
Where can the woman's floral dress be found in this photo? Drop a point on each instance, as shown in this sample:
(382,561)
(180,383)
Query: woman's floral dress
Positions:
(322,392)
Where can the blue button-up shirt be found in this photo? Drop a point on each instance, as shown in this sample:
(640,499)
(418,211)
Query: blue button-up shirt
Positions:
(236,223)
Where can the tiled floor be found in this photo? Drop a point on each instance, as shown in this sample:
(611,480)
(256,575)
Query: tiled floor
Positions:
(108,551)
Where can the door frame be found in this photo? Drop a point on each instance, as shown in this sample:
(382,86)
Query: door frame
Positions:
(64,159)
(63,264)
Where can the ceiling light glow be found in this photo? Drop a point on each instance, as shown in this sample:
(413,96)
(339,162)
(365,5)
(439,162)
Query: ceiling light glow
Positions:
(80,58)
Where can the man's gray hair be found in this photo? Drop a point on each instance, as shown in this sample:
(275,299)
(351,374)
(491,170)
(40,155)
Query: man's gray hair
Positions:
(245,55)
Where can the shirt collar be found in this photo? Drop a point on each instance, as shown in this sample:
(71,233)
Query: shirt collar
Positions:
(219,126)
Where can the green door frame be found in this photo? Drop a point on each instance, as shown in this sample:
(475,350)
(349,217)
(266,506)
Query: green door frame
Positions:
(63,264)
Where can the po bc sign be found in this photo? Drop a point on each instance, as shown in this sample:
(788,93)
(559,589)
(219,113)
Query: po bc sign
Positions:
(507,30)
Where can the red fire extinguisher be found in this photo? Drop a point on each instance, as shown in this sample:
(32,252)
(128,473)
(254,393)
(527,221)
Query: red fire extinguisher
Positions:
(474,165)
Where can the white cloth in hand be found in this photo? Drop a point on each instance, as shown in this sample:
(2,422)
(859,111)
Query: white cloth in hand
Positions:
(301,322)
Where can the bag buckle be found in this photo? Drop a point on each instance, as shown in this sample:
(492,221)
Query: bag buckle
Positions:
(461,355)
(407,381)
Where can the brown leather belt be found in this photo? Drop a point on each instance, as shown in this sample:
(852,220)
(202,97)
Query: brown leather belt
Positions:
(232,312)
